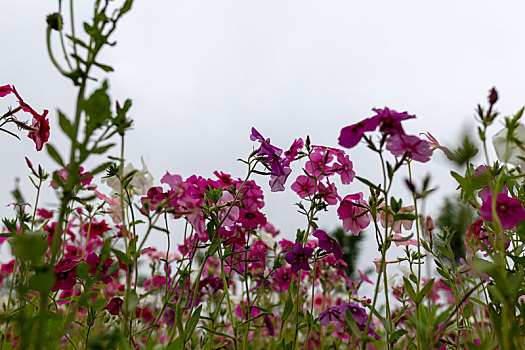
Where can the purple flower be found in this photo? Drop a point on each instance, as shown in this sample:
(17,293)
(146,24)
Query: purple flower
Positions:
(271,153)
(298,257)
(390,120)
(331,314)
(351,135)
(510,211)
(410,146)
(328,244)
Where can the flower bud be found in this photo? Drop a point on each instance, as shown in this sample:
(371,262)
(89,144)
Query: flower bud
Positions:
(429,223)
(54,21)
(493,96)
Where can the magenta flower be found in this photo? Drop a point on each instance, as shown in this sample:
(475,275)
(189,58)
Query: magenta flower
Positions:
(351,135)
(510,211)
(410,146)
(5,90)
(40,132)
(65,274)
(298,257)
(250,219)
(282,278)
(354,217)
(328,244)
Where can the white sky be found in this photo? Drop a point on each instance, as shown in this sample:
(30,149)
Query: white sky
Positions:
(202,73)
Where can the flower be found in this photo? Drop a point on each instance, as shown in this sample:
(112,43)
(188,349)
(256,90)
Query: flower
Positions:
(351,135)
(5,90)
(141,183)
(298,257)
(409,146)
(114,306)
(434,144)
(303,186)
(512,152)
(328,244)
(390,120)
(40,132)
(396,227)
(510,211)
(351,210)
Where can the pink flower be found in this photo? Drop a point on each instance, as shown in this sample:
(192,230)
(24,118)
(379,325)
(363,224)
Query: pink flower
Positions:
(409,146)
(434,144)
(510,211)
(351,210)
(404,243)
(345,169)
(303,186)
(40,124)
(407,224)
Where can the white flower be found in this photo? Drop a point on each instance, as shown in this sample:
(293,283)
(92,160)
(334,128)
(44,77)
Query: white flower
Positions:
(514,152)
(141,183)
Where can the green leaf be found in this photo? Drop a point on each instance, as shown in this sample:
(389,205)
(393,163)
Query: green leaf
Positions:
(288,307)
(424,291)
(51,150)
(409,288)
(193,322)
(43,280)
(104,67)
(132,302)
(122,257)
(66,125)
(177,344)
(31,246)
(368,183)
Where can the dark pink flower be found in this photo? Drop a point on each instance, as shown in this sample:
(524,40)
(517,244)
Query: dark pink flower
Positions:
(328,244)
(250,219)
(298,257)
(410,146)
(114,306)
(94,260)
(44,213)
(510,211)
(65,274)
(5,90)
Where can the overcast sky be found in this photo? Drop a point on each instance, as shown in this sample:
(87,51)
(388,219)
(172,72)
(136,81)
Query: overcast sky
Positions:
(202,73)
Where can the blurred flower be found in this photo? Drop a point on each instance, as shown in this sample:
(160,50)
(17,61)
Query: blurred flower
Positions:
(510,211)
(509,151)
(114,306)
(141,183)
(409,146)
(328,244)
